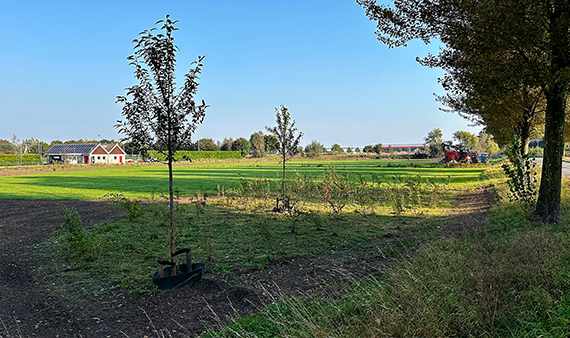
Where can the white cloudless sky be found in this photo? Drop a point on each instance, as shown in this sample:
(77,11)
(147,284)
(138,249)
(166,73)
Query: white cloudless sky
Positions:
(62,64)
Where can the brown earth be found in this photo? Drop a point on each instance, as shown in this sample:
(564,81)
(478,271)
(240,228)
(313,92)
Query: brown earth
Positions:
(30,308)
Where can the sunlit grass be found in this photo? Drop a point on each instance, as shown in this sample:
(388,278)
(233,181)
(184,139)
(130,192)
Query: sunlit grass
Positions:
(146,181)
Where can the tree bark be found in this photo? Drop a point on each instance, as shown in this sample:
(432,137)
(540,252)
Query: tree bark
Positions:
(549,195)
(525,127)
(548,204)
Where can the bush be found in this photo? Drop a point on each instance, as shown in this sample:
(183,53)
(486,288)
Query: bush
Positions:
(79,241)
(14,160)
(182,155)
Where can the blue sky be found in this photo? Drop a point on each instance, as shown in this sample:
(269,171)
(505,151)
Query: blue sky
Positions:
(62,64)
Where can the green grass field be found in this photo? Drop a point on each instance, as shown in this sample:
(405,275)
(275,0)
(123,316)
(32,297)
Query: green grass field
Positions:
(144,181)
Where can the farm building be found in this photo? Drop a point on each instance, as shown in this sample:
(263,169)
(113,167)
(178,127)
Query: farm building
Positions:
(86,153)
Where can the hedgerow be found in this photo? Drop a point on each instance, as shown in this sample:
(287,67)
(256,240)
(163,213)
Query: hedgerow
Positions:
(196,155)
(13,159)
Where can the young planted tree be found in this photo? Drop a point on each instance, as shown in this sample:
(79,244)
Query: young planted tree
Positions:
(155,112)
(285,132)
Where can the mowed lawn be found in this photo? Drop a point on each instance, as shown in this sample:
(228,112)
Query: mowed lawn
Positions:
(145,181)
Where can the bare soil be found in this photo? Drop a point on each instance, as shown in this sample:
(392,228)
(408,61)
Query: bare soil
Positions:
(30,308)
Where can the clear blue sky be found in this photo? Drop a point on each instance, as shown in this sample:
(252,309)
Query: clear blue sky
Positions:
(62,64)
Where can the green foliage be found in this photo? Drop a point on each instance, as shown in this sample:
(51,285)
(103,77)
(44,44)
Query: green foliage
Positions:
(314,149)
(335,190)
(336,148)
(378,148)
(79,240)
(368,149)
(271,144)
(242,145)
(183,155)
(14,159)
(504,281)
(257,141)
(131,207)
(521,174)
(207,144)
(466,139)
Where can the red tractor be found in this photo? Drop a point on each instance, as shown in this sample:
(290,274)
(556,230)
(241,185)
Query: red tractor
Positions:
(458,154)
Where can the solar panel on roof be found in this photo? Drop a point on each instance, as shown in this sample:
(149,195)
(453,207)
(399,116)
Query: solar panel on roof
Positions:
(71,148)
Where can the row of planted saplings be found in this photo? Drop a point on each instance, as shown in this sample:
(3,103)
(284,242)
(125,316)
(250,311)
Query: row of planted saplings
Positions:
(340,192)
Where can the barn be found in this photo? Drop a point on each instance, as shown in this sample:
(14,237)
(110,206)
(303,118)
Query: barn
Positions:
(86,153)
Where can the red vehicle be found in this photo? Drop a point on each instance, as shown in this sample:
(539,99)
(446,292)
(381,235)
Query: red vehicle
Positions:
(458,154)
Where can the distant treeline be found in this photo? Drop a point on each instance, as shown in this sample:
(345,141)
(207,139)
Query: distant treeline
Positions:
(183,155)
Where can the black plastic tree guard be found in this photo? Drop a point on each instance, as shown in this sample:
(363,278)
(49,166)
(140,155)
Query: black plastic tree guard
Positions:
(186,274)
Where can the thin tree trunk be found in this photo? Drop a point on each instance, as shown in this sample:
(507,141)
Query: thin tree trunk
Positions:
(283,185)
(171,205)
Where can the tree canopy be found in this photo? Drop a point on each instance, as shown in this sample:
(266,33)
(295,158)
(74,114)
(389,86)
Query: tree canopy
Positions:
(516,45)
(155,112)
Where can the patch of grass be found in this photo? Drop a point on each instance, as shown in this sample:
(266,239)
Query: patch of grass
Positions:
(511,279)
(226,238)
(142,181)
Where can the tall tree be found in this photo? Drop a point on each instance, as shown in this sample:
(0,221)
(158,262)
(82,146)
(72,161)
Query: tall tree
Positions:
(227,144)
(466,139)
(526,41)
(257,144)
(286,134)
(207,144)
(271,144)
(336,148)
(314,149)
(241,144)
(157,114)
(378,148)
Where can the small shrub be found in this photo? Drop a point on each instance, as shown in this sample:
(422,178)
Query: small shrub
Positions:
(132,207)
(76,237)
(522,176)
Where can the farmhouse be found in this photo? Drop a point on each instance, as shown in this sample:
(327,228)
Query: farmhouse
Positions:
(86,153)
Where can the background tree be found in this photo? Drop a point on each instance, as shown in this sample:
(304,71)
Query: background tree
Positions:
(357,150)
(227,144)
(271,144)
(314,149)
(390,151)
(241,144)
(368,149)
(157,114)
(486,144)
(433,142)
(336,149)
(257,144)
(285,132)
(466,139)
(207,144)
(378,148)
(524,43)
(6,146)
(349,150)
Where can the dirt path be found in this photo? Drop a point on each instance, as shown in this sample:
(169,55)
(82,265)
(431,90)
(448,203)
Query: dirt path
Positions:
(30,308)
